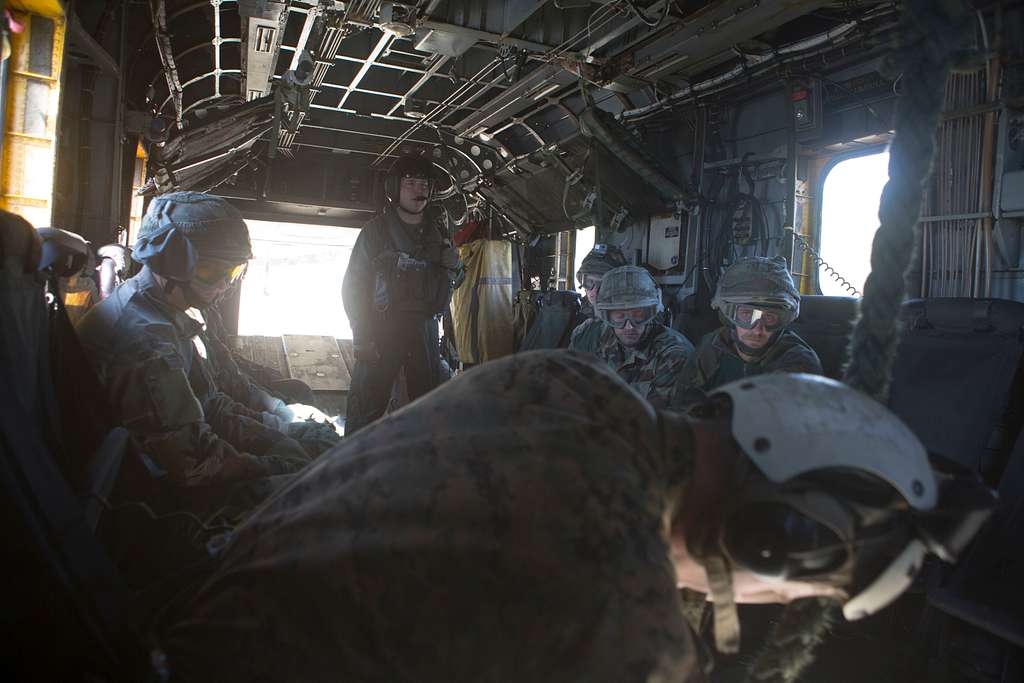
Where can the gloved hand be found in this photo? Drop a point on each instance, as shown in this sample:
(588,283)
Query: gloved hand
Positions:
(274,422)
(303,412)
(450,258)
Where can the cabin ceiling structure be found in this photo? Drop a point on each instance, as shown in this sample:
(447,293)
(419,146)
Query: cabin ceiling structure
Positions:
(302,105)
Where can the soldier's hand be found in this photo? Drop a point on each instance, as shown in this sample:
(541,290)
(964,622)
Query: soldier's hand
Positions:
(450,258)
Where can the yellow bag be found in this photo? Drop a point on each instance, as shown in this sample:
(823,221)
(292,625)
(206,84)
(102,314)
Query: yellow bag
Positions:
(482,306)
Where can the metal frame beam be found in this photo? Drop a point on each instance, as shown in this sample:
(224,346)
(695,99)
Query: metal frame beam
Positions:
(94,50)
(384,40)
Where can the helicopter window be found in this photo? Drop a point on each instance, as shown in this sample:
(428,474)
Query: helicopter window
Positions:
(584,243)
(293,285)
(849,218)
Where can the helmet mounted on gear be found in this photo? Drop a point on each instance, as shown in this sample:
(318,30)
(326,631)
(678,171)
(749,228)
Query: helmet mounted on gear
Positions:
(625,288)
(848,498)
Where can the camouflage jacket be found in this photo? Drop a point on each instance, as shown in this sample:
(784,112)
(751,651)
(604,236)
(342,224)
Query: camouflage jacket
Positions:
(509,526)
(152,359)
(650,368)
(716,363)
(587,335)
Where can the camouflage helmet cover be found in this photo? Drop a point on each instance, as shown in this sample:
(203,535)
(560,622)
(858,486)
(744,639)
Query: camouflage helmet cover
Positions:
(758,280)
(601,259)
(628,287)
(179,227)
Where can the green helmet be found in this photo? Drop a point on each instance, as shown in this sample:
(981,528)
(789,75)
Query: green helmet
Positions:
(601,259)
(627,287)
(758,282)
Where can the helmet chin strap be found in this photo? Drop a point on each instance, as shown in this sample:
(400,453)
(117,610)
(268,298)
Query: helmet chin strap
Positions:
(750,350)
(727,621)
(191,297)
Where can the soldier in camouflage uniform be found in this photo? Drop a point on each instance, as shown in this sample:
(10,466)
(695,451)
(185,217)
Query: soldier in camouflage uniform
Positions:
(149,347)
(601,259)
(645,353)
(756,300)
(532,520)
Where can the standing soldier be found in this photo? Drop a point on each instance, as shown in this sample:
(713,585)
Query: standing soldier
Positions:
(399,279)
(756,301)
(601,259)
(645,353)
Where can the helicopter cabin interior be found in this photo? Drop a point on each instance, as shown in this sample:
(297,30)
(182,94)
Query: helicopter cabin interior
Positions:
(688,133)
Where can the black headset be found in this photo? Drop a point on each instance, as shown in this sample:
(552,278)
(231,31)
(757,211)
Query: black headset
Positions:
(778,542)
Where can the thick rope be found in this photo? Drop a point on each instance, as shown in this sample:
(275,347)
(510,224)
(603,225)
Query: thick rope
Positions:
(930,33)
(799,630)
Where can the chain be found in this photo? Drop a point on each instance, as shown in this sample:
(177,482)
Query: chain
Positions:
(822,263)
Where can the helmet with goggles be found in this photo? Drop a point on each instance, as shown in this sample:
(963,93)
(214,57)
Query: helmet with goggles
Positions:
(192,236)
(757,290)
(847,498)
(601,259)
(625,289)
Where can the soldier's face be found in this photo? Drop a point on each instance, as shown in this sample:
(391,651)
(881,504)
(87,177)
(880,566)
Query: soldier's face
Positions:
(591,285)
(756,337)
(413,194)
(630,333)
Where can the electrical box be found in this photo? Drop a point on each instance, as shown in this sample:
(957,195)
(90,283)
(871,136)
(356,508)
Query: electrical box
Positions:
(664,242)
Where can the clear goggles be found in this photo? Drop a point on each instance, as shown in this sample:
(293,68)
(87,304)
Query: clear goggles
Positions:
(589,282)
(212,271)
(635,317)
(748,317)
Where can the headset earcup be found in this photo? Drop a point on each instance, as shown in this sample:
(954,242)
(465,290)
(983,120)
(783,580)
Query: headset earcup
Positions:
(757,542)
(169,254)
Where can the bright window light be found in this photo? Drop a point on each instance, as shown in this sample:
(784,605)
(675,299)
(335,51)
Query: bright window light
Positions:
(584,243)
(849,219)
(293,285)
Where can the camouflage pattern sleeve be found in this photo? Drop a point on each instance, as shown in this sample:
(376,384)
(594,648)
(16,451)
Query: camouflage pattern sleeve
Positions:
(586,336)
(150,389)
(688,387)
(669,364)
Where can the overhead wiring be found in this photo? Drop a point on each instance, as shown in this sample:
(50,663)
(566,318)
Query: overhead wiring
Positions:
(650,23)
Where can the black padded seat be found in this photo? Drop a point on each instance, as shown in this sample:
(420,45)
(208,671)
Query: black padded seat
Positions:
(955,375)
(984,588)
(825,323)
(696,318)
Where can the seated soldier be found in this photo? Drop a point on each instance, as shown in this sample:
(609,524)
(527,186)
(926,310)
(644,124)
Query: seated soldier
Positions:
(756,301)
(533,519)
(148,346)
(601,259)
(645,353)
